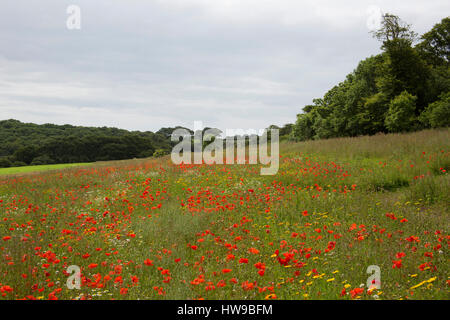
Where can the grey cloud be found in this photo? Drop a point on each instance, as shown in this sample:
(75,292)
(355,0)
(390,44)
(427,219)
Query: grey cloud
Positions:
(145,65)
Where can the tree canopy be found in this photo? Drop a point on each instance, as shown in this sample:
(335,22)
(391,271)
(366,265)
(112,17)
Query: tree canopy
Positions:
(403,88)
(28,143)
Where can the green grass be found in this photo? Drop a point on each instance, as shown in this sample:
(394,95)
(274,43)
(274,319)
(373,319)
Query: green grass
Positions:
(31,169)
(336,206)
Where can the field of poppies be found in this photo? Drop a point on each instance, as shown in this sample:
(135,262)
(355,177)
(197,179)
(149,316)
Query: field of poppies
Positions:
(149,229)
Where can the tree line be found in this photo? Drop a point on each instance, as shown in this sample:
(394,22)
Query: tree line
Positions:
(33,144)
(404,88)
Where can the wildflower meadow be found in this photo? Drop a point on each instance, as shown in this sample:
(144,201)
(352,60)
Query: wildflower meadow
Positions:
(150,229)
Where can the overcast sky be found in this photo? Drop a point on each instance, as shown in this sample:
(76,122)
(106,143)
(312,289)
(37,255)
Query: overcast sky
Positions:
(143,65)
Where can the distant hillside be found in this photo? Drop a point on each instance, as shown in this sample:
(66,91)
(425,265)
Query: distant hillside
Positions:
(28,143)
(32,144)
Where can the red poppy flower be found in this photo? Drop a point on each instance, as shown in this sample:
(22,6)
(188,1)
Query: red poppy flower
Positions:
(148,262)
(123,291)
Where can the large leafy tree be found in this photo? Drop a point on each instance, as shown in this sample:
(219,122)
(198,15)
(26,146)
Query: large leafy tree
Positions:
(435,44)
(400,116)
(435,50)
(403,69)
(437,114)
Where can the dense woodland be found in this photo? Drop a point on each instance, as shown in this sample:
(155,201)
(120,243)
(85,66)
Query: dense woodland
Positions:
(28,143)
(404,88)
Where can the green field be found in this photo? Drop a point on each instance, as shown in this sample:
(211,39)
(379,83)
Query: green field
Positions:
(149,229)
(31,169)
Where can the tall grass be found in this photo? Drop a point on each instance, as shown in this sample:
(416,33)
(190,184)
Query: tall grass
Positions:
(364,197)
